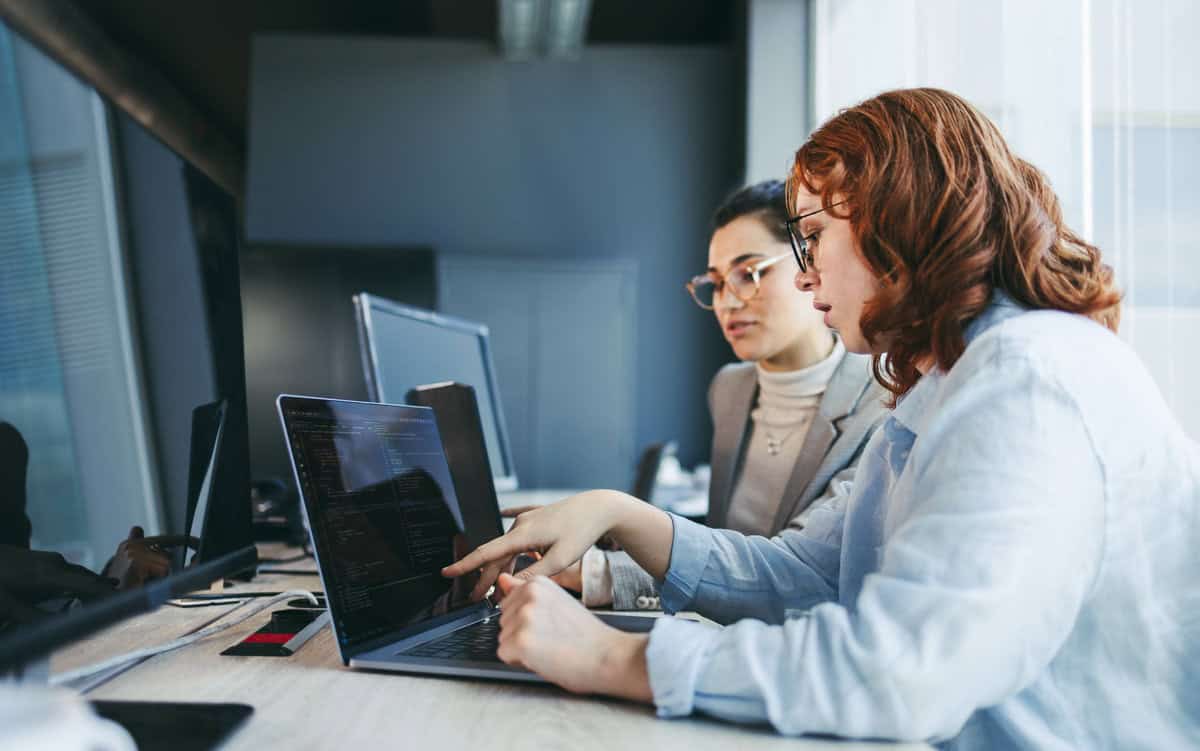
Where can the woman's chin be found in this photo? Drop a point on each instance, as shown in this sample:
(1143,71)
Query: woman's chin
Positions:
(745,352)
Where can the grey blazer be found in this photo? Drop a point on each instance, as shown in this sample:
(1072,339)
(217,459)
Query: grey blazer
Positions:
(850,411)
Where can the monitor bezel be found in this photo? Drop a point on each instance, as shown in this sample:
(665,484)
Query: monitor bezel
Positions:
(364,305)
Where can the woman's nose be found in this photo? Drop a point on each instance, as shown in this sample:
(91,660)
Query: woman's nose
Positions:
(726,299)
(806,280)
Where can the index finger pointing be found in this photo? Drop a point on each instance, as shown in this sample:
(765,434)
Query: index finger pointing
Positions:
(516,511)
(500,548)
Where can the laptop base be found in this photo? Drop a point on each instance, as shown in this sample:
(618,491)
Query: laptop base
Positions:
(398,659)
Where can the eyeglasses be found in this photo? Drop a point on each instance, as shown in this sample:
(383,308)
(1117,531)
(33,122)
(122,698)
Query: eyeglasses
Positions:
(742,281)
(800,249)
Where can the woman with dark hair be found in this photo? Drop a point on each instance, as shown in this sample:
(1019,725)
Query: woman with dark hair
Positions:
(789,421)
(1016,562)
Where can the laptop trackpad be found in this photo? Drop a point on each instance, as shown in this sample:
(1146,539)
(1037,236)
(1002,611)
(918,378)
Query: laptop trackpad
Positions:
(635,624)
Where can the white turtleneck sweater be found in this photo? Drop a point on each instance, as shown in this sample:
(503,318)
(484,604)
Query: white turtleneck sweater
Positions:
(787,403)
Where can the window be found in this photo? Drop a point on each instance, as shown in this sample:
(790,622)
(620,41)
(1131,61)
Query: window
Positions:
(1102,95)
(68,380)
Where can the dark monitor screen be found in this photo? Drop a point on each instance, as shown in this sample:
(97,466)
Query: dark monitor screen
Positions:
(405,347)
(208,431)
(383,512)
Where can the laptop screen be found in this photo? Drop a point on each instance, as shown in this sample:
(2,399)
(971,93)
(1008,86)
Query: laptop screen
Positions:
(383,511)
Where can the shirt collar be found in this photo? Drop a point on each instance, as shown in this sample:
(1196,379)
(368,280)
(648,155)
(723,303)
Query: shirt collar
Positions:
(913,406)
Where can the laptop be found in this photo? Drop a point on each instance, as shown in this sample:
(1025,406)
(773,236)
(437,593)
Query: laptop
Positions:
(384,516)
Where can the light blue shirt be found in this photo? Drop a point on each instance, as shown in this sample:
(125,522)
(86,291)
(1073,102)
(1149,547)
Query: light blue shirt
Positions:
(1016,565)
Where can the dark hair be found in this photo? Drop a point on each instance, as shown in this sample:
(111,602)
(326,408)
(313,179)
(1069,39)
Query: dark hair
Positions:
(943,213)
(765,201)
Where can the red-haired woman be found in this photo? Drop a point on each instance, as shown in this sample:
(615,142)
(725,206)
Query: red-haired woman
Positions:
(1015,565)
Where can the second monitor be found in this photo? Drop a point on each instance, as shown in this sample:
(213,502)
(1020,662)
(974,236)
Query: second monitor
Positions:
(404,347)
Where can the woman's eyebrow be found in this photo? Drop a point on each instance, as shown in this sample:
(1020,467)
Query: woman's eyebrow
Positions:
(738,261)
(807,224)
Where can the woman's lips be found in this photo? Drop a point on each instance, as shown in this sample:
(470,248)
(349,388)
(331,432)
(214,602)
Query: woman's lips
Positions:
(738,329)
(824,309)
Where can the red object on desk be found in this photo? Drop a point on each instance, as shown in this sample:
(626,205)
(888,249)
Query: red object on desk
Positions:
(267,638)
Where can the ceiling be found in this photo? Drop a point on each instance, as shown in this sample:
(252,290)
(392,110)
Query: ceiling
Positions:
(203,48)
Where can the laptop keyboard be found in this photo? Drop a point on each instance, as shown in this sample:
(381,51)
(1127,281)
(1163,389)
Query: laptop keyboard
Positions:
(477,642)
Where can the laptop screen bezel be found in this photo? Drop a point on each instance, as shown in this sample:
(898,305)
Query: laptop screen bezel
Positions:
(348,650)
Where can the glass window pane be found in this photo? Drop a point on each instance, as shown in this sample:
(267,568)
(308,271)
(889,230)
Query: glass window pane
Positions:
(68,381)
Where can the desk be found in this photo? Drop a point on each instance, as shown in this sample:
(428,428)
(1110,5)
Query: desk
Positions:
(311,701)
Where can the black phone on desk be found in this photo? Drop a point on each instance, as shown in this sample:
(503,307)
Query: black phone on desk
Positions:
(175,726)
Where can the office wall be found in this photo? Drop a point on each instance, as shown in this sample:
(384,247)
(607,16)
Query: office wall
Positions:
(620,155)
(778,117)
(569,408)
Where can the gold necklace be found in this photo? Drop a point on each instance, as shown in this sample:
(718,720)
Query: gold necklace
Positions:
(775,445)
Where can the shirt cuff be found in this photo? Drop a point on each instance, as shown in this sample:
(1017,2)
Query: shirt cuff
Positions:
(674,657)
(691,545)
(596,576)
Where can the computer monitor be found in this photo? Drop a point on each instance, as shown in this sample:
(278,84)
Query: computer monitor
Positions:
(20,646)
(404,347)
(208,507)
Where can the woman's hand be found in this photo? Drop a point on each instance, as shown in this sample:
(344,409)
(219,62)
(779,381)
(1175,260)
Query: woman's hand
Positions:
(570,577)
(560,532)
(543,629)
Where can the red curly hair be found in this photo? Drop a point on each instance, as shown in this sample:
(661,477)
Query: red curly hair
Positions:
(944,213)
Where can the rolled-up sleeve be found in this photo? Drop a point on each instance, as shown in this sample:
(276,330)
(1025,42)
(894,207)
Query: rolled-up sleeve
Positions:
(690,547)
(677,651)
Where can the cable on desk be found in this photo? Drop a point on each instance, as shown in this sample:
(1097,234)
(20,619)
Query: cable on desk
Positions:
(256,608)
(233,596)
(293,571)
(292,559)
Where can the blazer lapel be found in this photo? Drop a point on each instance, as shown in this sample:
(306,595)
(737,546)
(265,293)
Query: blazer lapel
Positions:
(841,397)
(731,421)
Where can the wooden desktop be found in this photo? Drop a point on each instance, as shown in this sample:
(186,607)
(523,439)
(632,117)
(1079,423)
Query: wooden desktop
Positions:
(311,701)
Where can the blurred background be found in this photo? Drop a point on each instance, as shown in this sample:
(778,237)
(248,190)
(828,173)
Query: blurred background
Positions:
(544,167)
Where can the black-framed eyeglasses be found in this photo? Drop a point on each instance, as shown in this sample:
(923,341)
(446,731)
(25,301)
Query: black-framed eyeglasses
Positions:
(742,281)
(800,248)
